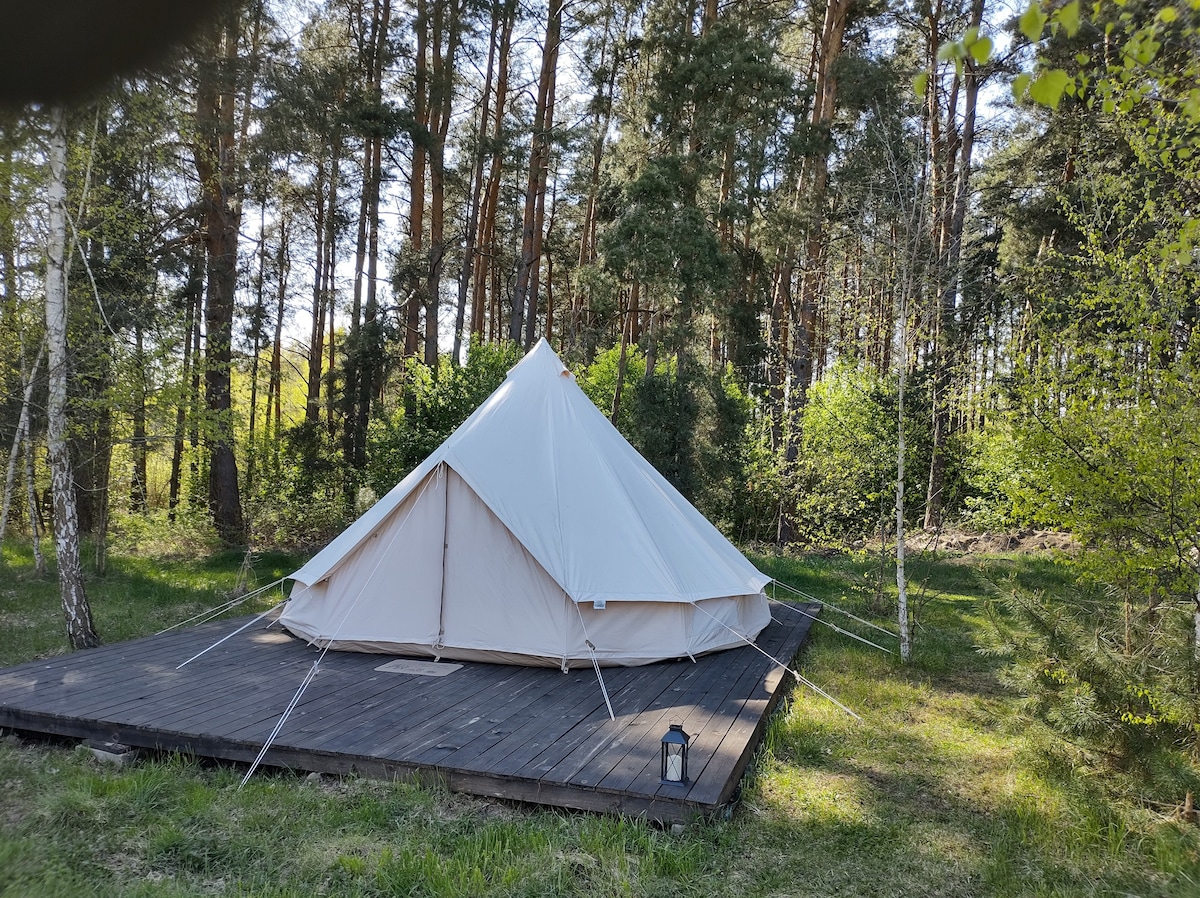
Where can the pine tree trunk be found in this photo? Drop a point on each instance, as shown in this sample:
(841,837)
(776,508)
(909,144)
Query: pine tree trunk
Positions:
(80,630)
(328,265)
(220,201)
(524,303)
(316,340)
(441,95)
(8,236)
(946,348)
(416,188)
(796,312)
(815,181)
(623,361)
(475,192)
(486,270)
(901,578)
(272,420)
(259,318)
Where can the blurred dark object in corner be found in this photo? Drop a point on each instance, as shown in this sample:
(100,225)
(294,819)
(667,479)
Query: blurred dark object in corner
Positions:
(63,50)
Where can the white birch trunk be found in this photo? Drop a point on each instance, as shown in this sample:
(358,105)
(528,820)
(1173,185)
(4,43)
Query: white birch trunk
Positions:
(80,630)
(22,429)
(1196,617)
(901,580)
(11,473)
(35,530)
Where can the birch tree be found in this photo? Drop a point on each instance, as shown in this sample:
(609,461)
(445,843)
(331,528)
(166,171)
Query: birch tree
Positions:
(80,630)
(21,437)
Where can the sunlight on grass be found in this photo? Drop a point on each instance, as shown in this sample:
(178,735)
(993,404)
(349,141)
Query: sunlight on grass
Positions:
(939,791)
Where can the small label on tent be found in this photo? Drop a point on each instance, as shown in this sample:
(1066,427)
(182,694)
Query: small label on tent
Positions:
(599,604)
(420,668)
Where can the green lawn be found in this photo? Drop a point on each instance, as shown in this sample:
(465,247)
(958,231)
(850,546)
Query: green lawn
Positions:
(940,790)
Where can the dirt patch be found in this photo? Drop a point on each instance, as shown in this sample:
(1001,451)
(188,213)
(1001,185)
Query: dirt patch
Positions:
(1022,541)
(950,542)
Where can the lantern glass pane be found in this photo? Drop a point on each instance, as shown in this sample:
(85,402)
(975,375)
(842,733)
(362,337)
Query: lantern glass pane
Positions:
(674,771)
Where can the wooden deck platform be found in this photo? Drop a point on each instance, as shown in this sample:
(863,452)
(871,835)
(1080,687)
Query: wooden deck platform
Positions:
(529,734)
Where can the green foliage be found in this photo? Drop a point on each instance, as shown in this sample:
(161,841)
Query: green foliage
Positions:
(666,410)
(1115,682)
(845,479)
(663,238)
(436,403)
(696,429)
(998,481)
(599,382)
(1104,403)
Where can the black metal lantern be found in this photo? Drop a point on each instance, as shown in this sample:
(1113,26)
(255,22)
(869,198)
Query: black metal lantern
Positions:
(675,756)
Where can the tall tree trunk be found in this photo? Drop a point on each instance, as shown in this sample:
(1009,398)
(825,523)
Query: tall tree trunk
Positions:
(195,495)
(372,368)
(363,350)
(602,105)
(623,362)
(216,155)
(815,181)
(524,303)
(138,442)
(486,274)
(352,371)
(78,614)
(273,420)
(8,236)
(35,529)
(797,314)
(22,434)
(257,341)
(316,340)
(327,264)
(416,185)
(194,289)
(946,346)
(475,190)
(447,23)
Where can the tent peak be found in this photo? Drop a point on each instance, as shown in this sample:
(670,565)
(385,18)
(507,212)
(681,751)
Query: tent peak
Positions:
(540,361)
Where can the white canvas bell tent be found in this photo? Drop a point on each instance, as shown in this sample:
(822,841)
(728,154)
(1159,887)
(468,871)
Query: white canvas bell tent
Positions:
(535,534)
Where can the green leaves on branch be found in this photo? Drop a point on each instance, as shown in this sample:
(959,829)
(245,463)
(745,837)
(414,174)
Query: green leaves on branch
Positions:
(972,47)
(1132,69)
(1049,86)
(1033,20)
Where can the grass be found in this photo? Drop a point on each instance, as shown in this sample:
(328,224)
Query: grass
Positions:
(940,791)
(138,594)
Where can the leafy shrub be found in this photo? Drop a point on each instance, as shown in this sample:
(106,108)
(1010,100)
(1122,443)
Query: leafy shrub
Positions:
(437,401)
(845,476)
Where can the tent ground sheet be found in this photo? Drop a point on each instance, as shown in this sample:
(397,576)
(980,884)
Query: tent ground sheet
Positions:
(519,733)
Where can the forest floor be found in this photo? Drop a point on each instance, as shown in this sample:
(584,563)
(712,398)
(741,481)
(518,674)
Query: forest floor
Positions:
(940,790)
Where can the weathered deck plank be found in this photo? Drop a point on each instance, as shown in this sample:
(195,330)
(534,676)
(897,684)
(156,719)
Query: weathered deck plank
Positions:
(531,734)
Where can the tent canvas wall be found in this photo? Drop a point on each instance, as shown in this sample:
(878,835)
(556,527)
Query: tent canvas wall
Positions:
(532,531)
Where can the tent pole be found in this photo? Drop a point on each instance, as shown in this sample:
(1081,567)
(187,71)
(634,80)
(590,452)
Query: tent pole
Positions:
(445,550)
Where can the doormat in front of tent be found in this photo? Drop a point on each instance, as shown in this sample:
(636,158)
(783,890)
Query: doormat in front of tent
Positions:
(419,668)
